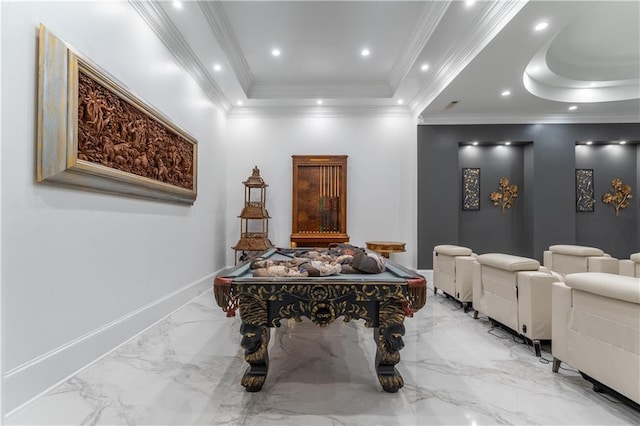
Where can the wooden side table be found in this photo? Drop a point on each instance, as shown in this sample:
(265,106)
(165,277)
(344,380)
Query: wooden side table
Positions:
(386,247)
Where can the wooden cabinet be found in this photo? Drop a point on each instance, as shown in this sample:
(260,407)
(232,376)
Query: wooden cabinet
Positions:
(319,196)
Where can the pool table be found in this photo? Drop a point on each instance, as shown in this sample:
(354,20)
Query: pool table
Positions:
(382,300)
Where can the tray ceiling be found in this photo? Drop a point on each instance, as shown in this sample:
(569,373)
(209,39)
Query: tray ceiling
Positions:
(440,61)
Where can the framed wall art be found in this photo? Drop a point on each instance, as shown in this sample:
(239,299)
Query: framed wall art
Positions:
(470,189)
(95,134)
(585,201)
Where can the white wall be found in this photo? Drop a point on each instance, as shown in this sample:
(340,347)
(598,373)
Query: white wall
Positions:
(83,271)
(381,173)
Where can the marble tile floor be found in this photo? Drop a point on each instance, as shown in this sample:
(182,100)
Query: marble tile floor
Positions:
(457,371)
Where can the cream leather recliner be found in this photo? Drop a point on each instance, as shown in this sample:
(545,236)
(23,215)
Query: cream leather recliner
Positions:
(452,272)
(596,329)
(630,267)
(567,259)
(515,292)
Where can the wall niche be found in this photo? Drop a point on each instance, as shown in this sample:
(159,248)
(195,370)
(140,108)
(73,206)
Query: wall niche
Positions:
(488,229)
(602,228)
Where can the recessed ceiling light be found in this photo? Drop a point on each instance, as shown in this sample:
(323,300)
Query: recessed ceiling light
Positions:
(506,93)
(507,143)
(573,108)
(275,52)
(319,102)
(400,101)
(469,2)
(424,67)
(240,103)
(177,4)
(217,67)
(365,52)
(541,26)
(474,143)
(589,142)
(622,142)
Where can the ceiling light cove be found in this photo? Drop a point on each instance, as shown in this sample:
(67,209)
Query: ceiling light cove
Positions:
(365,52)
(275,52)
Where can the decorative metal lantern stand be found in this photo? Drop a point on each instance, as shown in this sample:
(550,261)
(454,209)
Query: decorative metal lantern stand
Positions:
(254,219)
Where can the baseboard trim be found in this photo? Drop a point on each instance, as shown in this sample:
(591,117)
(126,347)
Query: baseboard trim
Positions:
(32,379)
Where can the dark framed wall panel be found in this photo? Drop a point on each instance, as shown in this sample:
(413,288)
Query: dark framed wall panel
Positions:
(470,189)
(585,195)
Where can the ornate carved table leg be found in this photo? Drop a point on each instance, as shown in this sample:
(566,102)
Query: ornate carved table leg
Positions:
(255,342)
(388,337)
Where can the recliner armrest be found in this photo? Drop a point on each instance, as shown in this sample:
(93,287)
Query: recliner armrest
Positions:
(604,263)
(627,267)
(534,303)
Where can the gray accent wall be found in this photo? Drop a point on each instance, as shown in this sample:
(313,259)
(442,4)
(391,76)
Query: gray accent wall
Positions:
(547,197)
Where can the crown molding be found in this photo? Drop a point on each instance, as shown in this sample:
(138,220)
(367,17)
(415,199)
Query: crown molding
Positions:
(320,112)
(314,90)
(432,14)
(153,14)
(494,17)
(221,29)
(462,119)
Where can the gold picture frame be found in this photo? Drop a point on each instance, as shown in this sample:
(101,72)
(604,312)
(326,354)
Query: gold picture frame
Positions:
(95,134)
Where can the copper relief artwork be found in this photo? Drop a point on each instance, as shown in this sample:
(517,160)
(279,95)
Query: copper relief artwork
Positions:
(115,134)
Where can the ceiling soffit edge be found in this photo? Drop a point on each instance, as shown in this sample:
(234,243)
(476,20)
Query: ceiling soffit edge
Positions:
(221,29)
(495,16)
(320,112)
(321,90)
(167,32)
(428,22)
(463,119)
(540,80)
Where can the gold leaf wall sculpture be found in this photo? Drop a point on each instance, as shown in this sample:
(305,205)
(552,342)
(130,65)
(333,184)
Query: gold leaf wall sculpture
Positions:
(506,195)
(619,196)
